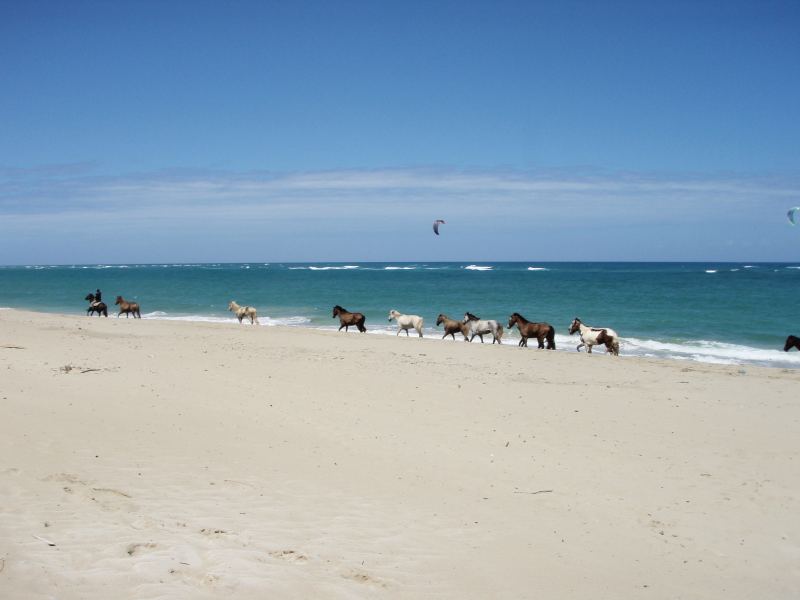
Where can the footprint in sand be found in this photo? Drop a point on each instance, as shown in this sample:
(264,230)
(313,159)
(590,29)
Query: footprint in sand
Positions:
(134,549)
(289,556)
(366,578)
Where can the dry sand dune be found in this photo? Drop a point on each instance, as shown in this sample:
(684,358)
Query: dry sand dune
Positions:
(143,459)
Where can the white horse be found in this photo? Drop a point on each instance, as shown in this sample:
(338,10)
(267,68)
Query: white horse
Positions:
(476,326)
(243,311)
(406,322)
(593,336)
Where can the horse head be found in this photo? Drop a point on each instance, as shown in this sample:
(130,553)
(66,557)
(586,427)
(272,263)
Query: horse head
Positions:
(575,325)
(90,297)
(468,316)
(336,310)
(514,318)
(440,319)
(393,314)
(119,300)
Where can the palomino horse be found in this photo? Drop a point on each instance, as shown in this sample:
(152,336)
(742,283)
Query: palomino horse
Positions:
(95,307)
(592,336)
(349,319)
(406,322)
(476,326)
(242,312)
(452,327)
(791,342)
(129,308)
(527,329)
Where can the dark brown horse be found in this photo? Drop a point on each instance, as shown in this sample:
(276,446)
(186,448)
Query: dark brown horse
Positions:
(452,327)
(527,329)
(791,342)
(348,319)
(96,307)
(129,308)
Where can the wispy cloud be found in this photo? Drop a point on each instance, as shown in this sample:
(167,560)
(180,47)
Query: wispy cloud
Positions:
(386,214)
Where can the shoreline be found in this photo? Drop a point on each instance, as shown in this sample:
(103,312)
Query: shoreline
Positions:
(691,352)
(192,460)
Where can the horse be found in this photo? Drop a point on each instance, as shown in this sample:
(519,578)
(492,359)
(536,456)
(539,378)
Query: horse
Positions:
(95,307)
(129,308)
(592,336)
(540,331)
(348,319)
(452,327)
(243,311)
(406,322)
(791,342)
(475,326)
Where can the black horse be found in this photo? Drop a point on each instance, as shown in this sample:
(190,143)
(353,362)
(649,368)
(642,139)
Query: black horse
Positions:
(791,342)
(96,307)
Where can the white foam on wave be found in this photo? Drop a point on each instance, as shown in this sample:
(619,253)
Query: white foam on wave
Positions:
(538,269)
(711,270)
(478,268)
(793,267)
(265,321)
(710,352)
(343,268)
(749,267)
(399,268)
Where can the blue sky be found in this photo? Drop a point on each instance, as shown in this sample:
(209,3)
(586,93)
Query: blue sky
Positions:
(267,131)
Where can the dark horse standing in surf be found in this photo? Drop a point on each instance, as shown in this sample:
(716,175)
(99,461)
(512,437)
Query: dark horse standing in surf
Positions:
(527,329)
(95,306)
(791,342)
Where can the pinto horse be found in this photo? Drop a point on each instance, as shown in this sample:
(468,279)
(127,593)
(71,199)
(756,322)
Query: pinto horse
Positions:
(791,342)
(349,319)
(479,327)
(592,336)
(527,329)
(128,308)
(95,307)
(452,327)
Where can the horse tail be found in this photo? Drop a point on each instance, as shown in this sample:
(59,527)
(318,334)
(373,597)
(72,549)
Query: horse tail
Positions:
(551,338)
(615,346)
(499,332)
(360,324)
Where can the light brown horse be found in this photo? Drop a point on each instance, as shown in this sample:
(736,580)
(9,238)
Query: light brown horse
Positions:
(129,308)
(527,329)
(452,327)
(243,312)
(348,319)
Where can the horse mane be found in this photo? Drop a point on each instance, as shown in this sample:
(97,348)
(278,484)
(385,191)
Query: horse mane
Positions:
(471,317)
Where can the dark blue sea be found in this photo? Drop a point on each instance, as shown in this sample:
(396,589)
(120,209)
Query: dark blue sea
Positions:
(727,313)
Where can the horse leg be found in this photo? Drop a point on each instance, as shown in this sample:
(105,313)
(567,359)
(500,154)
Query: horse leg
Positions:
(340,327)
(419,331)
(407,334)
(588,348)
(581,345)
(541,342)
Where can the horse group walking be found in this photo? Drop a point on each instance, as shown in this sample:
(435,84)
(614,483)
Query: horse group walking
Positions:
(472,326)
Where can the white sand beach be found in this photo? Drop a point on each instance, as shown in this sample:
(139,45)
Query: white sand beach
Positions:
(154,459)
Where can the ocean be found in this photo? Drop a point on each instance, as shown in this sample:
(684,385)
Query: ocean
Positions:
(725,313)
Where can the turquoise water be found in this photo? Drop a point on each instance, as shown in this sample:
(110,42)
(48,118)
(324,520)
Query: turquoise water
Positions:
(715,312)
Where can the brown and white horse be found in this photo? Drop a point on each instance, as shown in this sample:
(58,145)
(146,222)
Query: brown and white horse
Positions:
(592,336)
(129,308)
(349,319)
(527,329)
